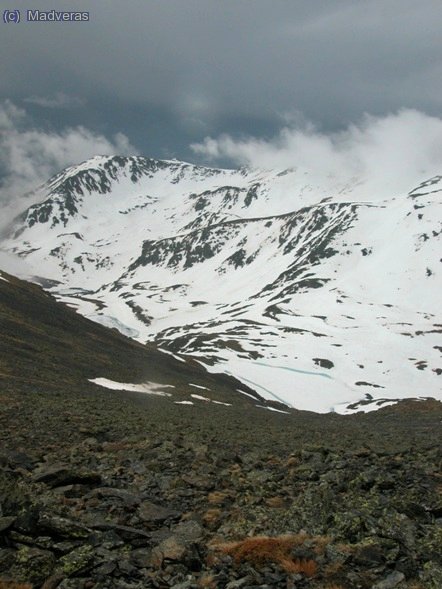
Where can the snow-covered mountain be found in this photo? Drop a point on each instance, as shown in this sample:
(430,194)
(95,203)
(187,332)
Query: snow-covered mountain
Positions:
(302,288)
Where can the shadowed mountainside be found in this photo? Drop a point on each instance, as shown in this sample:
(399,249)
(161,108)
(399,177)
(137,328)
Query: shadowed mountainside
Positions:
(46,345)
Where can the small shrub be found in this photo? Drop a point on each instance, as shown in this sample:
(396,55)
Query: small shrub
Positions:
(212,516)
(275,502)
(333,569)
(262,549)
(217,497)
(307,566)
(320,544)
(207,582)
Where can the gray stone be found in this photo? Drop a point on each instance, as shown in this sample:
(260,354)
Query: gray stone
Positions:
(189,531)
(71,584)
(17,459)
(58,475)
(141,558)
(133,535)
(173,548)
(6,522)
(60,526)
(238,583)
(150,512)
(106,569)
(124,496)
(53,582)
(126,567)
(391,581)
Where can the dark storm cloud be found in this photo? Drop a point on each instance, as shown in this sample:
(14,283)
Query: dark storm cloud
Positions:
(207,62)
(261,82)
(58,100)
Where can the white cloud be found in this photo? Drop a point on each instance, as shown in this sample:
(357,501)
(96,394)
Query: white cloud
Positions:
(388,154)
(58,100)
(29,156)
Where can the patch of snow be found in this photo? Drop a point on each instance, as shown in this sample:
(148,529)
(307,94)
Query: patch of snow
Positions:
(114,323)
(200,398)
(272,409)
(248,394)
(151,388)
(374,405)
(172,354)
(197,386)
(183,403)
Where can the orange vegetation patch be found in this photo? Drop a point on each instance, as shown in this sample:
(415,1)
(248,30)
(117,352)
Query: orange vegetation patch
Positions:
(275,502)
(263,549)
(218,497)
(207,582)
(212,516)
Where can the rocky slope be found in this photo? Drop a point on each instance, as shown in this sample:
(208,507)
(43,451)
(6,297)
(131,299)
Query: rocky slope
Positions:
(101,492)
(309,290)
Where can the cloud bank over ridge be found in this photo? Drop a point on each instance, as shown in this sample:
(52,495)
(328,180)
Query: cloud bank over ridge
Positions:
(30,155)
(387,154)
(380,155)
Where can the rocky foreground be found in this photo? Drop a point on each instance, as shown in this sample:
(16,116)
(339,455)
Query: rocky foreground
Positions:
(101,491)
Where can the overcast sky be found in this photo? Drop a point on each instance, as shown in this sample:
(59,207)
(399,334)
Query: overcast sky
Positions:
(183,78)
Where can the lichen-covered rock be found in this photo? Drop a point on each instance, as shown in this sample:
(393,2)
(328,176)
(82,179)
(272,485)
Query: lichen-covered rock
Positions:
(432,575)
(32,565)
(7,558)
(431,543)
(63,527)
(78,561)
(374,551)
